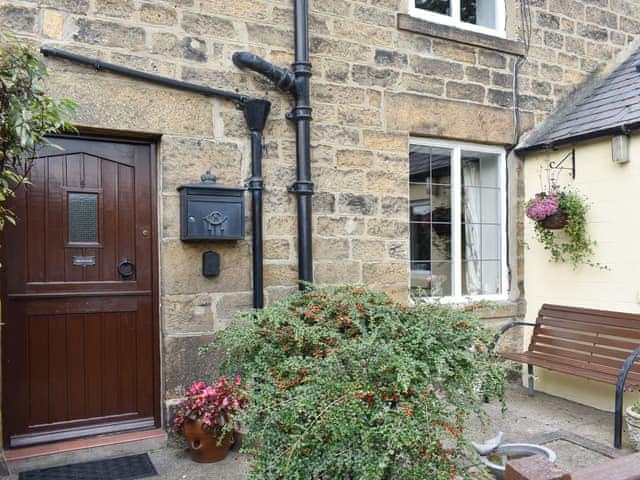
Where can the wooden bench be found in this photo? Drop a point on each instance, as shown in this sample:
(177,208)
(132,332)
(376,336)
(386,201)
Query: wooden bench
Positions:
(593,344)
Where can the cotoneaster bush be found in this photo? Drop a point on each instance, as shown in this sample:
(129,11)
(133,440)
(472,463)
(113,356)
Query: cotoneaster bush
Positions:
(346,384)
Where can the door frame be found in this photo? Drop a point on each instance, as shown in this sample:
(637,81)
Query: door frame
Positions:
(116,137)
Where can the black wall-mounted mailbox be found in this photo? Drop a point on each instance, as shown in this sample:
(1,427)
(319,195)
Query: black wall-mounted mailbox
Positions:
(210,211)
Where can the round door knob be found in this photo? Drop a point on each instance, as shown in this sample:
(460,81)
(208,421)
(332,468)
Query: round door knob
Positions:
(146,233)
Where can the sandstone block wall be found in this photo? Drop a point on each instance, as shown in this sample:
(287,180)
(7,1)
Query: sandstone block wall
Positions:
(377,81)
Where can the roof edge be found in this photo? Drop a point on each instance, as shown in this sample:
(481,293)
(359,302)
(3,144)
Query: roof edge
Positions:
(624,129)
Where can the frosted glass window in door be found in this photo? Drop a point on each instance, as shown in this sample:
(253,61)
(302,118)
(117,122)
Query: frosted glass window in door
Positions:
(83,217)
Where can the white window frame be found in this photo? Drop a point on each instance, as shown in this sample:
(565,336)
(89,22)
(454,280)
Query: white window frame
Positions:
(456,227)
(454,19)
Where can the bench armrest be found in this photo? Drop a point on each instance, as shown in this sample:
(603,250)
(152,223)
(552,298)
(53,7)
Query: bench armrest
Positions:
(505,328)
(626,366)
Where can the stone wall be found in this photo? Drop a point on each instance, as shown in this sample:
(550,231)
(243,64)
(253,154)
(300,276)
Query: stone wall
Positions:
(379,77)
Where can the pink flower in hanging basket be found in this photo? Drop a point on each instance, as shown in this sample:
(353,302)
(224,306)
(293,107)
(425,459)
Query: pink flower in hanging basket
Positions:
(542,206)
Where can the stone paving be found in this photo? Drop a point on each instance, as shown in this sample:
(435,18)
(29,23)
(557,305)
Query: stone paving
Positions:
(580,435)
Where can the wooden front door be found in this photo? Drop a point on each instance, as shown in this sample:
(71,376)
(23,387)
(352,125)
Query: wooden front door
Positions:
(80,342)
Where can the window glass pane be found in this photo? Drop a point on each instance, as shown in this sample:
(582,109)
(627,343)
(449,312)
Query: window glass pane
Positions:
(480,169)
(488,274)
(490,242)
(433,278)
(83,217)
(479,12)
(436,6)
(480,205)
(440,241)
(430,195)
(430,165)
(421,241)
(472,241)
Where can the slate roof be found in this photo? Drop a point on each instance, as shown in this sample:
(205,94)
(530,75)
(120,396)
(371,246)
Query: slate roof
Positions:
(613,104)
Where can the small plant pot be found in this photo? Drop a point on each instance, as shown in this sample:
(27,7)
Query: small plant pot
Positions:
(204,446)
(556,221)
(633,427)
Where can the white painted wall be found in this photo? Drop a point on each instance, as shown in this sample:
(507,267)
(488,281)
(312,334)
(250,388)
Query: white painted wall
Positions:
(613,191)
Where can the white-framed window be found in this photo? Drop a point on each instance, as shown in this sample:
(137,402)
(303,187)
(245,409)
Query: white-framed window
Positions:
(458,244)
(484,16)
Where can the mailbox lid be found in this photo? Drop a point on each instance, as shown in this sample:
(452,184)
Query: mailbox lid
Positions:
(212,216)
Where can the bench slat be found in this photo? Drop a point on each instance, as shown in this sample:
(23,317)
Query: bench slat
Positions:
(620,355)
(587,362)
(559,364)
(551,363)
(614,332)
(588,315)
(626,345)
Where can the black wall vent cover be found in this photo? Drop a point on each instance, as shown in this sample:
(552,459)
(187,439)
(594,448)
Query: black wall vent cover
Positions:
(131,467)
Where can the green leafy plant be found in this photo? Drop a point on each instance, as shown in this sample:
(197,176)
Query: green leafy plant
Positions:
(572,243)
(346,384)
(636,406)
(27,115)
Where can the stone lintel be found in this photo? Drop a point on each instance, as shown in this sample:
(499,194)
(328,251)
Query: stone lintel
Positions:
(476,39)
(429,116)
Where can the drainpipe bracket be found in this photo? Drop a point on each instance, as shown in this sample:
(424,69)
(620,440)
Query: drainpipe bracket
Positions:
(301,68)
(301,187)
(254,183)
(301,112)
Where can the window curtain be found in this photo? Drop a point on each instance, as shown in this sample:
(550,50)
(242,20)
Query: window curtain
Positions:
(472,217)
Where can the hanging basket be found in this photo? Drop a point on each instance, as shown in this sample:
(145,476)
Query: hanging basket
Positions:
(556,221)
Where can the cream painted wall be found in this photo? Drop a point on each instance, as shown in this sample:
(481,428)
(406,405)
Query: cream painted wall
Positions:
(613,191)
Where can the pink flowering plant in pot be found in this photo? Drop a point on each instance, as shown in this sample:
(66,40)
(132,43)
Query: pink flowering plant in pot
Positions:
(210,411)
(542,206)
(560,218)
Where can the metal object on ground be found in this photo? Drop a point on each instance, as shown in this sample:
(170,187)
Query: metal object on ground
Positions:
(497,459)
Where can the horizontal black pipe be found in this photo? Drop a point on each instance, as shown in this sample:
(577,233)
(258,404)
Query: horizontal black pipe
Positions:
(129,72)
(283,78)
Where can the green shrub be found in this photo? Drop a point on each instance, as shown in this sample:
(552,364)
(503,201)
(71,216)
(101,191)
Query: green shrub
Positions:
(346,384)
(27,116)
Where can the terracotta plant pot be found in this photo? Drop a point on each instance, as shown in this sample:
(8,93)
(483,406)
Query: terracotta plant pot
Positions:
(633,427)
(204,446)
(556,221)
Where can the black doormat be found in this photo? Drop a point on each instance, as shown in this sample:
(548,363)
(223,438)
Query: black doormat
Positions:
(131,467)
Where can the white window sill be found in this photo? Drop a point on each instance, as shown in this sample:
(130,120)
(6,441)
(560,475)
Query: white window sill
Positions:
(462,35)
(462,300)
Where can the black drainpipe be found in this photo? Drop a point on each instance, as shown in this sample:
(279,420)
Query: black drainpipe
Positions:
(295,82)
(256,112)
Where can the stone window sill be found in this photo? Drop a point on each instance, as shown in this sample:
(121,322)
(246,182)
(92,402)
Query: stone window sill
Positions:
(419,25)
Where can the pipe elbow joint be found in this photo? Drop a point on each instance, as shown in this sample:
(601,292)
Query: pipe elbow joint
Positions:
(284,79)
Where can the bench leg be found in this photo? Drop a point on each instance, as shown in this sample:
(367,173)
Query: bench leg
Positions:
(530,372)
(617,434)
